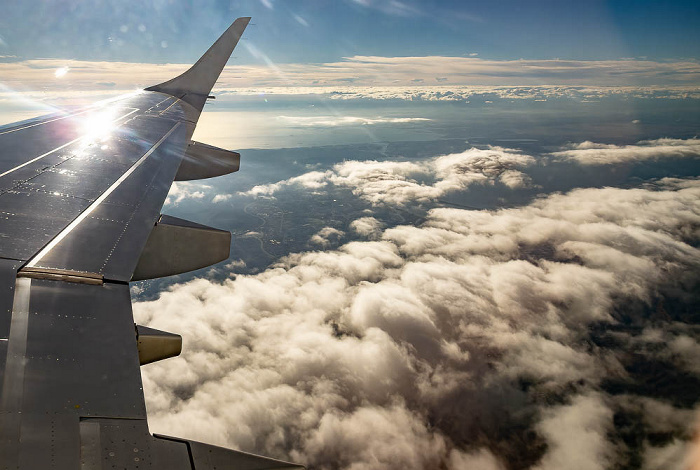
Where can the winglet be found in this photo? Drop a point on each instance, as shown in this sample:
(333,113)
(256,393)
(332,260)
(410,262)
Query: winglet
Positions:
(195,84)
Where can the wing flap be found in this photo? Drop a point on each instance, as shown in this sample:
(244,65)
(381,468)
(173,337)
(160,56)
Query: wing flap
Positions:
(72,354)
(209,457)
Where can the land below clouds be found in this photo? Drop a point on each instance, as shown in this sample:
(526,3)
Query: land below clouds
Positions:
(465,303)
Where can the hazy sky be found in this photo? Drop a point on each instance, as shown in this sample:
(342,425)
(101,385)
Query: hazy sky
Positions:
(321,31)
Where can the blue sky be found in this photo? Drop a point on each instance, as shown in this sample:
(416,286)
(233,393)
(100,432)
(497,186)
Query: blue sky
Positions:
(321,31)
(366,43)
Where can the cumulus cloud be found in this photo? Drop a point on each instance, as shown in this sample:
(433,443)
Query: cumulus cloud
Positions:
(400,182)
(674,183)
(515,179)
(577,433)
(235,264)
(324,236)
(367,227)
(221,198)
(183,190)
(468,340)
(311,180)
(591,153)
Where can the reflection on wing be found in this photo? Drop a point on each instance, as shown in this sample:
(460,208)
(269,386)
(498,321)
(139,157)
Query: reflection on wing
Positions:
(80,201)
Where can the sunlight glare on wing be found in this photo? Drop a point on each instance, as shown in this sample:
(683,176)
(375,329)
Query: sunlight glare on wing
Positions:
(98,125)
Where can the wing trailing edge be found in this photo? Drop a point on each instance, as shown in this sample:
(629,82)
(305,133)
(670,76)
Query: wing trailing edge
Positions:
(194,85)
(209,457)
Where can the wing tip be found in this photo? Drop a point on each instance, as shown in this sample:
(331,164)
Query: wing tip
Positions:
(195,84)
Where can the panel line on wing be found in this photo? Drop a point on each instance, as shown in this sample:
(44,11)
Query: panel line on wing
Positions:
(13,381)
(161,102)
(67,275)
(98,201)
(60,147)
(177,100)
(44,122)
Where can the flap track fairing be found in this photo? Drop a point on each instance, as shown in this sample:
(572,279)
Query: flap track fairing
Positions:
(176,246)
(206,161)
(155,345)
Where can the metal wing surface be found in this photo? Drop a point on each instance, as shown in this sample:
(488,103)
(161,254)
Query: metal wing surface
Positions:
(80,201)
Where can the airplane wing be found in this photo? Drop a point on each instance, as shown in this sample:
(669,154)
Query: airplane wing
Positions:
(80,201)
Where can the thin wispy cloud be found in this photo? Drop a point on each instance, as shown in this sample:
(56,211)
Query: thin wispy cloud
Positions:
(591,153)
(390,7)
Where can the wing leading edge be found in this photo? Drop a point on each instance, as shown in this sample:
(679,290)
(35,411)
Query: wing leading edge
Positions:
(80,201)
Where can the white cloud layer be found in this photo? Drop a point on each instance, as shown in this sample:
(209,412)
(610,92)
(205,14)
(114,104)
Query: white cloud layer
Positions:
(43,97)
(410,351)
(400,182)
(591,153)
(388,77)
(474,93)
